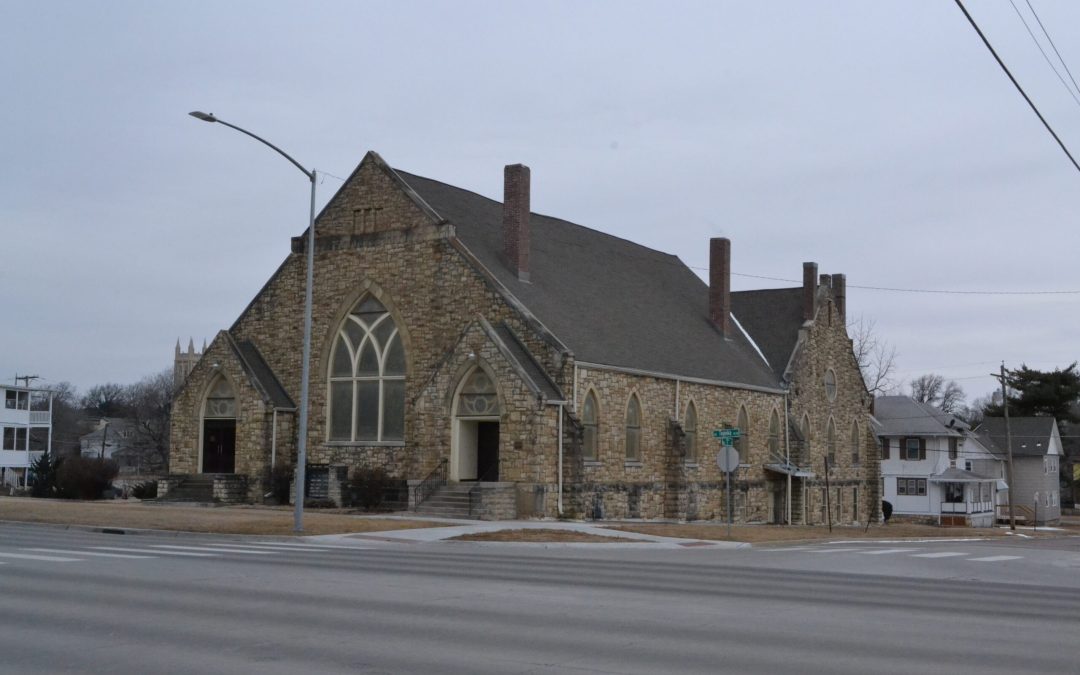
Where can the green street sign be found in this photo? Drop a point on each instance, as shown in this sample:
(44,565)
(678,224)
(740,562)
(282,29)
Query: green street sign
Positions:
(727,442)
(726,434)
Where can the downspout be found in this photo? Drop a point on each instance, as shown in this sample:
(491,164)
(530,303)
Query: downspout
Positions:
(273,442)
(560,458)
(787,460)
(676,398)
(575,388)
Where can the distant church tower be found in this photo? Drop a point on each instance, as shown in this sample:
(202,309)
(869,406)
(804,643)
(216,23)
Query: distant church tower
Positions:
(183,362)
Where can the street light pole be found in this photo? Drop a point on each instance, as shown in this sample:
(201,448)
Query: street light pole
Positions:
(305,374)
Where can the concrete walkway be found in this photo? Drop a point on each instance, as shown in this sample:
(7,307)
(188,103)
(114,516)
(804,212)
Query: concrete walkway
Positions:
(456,528)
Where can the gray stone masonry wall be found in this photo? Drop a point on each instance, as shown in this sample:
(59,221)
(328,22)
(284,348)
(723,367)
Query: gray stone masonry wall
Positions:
(826,346)
(495,501)
(167,484)
(230,488)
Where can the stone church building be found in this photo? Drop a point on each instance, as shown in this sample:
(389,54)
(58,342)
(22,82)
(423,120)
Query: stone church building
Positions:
(543,367)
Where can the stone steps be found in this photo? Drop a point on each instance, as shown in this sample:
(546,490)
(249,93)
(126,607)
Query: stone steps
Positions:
(449,501)
(198,489)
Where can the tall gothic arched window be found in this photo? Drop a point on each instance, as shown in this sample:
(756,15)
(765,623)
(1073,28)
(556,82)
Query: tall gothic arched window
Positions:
(367,377)
(633,429)
(220,401)
(591,424)
(830,442)
(690,429)
(742,443)
(856,458)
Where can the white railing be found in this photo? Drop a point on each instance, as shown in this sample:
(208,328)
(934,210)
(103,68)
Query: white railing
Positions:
(967,507)
(16,458)
(40,417)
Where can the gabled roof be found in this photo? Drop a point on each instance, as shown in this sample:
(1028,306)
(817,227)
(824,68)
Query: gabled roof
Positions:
(527,367)
(609,300)
(1030,435)
(260,374)
(773,318)
(955,475)
(904,416)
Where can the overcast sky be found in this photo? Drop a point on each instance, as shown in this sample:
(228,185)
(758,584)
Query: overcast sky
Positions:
(878,139)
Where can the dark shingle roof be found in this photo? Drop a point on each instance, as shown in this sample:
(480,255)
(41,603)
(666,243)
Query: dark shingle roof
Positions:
(773,318)
(902,415)
(262,376)
(530,368)
(610,301)
(1030,435)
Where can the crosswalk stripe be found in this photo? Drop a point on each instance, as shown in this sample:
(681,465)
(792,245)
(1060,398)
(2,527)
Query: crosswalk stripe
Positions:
(329,547)
(44,558)
(888,551)
(996,558)
(91,553)
(213,550)
(832,550)
(939,554)
(143,550)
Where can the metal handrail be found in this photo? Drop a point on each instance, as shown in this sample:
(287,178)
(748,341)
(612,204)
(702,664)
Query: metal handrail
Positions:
(480,480)
(432,482)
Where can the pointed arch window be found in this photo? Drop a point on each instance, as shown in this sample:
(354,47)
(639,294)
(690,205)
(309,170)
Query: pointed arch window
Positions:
(807,434)
(774,435)
(221,401)
(367,377)
(633,429)
(478,397)
(830,442)
(690,429)
(742,443)
(855,457)
(590,422)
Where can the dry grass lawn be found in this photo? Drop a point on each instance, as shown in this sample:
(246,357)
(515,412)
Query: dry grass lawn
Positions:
(761,534)
(217,520)
(542,535)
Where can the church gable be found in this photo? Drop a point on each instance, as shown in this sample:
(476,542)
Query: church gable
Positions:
(373,200)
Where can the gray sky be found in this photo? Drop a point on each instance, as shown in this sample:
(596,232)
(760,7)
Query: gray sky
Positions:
(879,139)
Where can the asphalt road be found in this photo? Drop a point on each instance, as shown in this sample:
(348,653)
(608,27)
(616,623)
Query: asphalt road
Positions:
(189,604)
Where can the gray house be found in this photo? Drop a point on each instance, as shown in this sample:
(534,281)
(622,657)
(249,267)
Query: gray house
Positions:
(1037,454)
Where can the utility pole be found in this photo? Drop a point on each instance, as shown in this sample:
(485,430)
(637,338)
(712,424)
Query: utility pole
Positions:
(828,502)
(1008,443)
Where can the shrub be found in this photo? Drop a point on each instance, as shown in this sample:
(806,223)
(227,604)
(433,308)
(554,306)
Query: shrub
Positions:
(85,477)
(281,483)
(369,487)
(147,490)
(44,475)
(319,504)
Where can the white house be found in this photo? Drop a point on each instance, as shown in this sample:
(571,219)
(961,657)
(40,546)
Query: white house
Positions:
(933,468)
(25,430)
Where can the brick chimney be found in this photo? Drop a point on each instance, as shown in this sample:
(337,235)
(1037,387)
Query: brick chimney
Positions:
(839,285)
(809,294)
(516,219)
(720,284)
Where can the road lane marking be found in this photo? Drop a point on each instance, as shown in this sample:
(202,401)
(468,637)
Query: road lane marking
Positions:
(143,550)
(327,547)
(45,558)
(267,547)
(99,555)
(213,550)
(831,550)
(888,551)
(996,558)
(939,554)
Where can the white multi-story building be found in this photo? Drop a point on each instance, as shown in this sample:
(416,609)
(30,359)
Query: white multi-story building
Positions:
(25,430)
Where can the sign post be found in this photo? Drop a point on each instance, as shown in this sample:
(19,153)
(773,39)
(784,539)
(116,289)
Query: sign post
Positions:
(727,460)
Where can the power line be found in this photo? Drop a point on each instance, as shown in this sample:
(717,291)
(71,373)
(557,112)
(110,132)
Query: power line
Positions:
(1043,51)
(1054,46)
(1001,63)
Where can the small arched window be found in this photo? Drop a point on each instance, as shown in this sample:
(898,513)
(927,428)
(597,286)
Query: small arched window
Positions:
(591,424)
(830,384)
(633,429)
(478,397)
(830,442)
(690,429)
(856,459)
(742,443)
(807,434)
(367,377)
(774,435)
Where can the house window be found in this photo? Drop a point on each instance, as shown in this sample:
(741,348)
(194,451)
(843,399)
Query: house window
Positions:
(633,430)
(690,429)
(1046,466)
(367,377)
(830,384)
(885,449)
(774,435)
(591,427)
(742,443)
(16,400)
(910,487)
(967,465)
(830,442)
(912,449)
(954,493)
(855,459)
(14,438)
(1054,498)
(953,451)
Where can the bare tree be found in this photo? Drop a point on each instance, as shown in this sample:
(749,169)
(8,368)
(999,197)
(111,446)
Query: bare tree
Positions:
(105,400)
(934,389)
(149,402)
(875,356)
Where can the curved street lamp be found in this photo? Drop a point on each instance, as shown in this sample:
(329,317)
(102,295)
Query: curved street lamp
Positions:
(301,450)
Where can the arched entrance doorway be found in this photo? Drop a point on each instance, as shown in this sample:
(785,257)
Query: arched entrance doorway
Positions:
(219,429)
(475,448)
